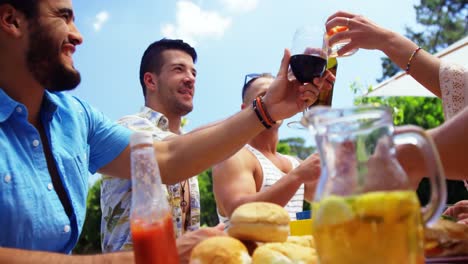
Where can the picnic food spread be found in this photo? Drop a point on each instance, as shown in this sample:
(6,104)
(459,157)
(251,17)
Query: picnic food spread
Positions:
(259,234)
(264,228)
(446,238)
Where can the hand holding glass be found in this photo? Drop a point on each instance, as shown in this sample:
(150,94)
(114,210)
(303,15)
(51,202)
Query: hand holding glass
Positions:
(333,50)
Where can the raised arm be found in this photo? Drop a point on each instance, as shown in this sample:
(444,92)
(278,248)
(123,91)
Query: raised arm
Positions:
(184,156)
(365,34)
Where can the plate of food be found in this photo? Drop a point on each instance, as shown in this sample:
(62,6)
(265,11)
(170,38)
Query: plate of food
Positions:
(446,242)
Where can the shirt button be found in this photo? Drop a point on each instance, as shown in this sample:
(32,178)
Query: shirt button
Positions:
(19,109)
(50,186)
(66,228)
(35,143)
(7,178)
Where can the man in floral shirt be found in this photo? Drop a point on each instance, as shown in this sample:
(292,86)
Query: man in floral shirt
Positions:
(167,76)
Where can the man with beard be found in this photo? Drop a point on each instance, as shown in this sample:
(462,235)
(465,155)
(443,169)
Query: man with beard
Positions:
(167,77)
(50,140)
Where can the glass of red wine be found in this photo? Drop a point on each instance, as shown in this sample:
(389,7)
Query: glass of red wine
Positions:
(309,53)
(309,57)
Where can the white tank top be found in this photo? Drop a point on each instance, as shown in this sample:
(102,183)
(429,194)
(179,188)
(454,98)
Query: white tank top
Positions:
(272,174)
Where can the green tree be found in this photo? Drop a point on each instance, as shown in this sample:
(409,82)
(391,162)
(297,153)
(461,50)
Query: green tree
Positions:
(425,112)
(296,147)
(283,148)
(443,23)
(90,239)
(209,216)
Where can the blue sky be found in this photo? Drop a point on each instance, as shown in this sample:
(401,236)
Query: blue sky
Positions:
(232,38)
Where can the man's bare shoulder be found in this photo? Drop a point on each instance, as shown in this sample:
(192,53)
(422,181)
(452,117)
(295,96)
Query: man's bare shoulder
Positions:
(242,159)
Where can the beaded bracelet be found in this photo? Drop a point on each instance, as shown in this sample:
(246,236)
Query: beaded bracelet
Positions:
(411,58)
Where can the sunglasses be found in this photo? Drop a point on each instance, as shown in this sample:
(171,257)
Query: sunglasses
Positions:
(250,78)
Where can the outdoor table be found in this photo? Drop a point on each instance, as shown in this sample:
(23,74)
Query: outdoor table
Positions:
(448,260)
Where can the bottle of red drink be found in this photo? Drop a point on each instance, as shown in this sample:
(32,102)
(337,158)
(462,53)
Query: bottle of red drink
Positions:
(150,218)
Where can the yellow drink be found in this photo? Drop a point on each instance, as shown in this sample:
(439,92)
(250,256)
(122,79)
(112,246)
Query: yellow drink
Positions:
(335,48)
(376,227)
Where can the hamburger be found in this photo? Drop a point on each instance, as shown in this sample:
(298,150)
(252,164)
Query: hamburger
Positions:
(284,253)
(446,238)
(220,249)
(260,221)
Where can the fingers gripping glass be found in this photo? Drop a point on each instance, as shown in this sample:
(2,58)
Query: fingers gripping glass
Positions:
(324,97)
(309,56)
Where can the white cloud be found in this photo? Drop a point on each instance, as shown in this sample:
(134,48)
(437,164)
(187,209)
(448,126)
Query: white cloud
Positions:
(100,19)
(193,23)
(240,6)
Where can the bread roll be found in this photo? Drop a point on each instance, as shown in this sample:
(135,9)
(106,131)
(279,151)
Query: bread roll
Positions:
(305,241)
(220,250)
(284,253)
(260,221)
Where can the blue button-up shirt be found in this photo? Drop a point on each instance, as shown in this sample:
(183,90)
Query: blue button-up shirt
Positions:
(81,139)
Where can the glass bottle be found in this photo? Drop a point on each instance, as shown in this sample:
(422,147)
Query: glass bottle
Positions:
(150,218)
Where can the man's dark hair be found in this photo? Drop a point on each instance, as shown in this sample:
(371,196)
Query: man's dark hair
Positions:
(152,60)
(253,76)
(29,8)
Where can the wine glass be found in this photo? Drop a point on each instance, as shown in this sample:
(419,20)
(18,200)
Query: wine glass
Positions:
(309,58)
(309,54)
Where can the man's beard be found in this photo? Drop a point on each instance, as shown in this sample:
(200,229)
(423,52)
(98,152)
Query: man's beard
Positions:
(177,107)
(44,62)
(182,109)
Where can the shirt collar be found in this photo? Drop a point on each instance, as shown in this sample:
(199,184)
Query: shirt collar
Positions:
(7,105)
(50,105)
(158,119)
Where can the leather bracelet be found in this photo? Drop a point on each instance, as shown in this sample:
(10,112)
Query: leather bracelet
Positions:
(259,115)
(267,116)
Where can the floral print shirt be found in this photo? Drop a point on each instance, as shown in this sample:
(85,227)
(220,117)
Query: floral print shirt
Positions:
(116,193)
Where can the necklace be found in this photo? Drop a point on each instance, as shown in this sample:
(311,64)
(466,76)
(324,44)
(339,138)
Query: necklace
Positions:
(183,203)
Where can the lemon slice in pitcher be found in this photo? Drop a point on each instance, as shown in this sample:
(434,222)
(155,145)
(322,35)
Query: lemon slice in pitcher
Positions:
(331,211)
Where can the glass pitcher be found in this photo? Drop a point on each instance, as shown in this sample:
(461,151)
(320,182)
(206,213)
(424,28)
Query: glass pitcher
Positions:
(365,210)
